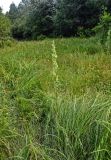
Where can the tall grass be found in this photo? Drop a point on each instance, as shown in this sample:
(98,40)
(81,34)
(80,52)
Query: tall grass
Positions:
(75,122)
(79,129)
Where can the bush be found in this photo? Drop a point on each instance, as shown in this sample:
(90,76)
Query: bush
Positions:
(6,42)
(17,32)
(82,32)
(41,37)
(5,27)
(102,31)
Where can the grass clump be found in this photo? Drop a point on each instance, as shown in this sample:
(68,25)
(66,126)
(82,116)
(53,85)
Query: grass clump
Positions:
(79,129)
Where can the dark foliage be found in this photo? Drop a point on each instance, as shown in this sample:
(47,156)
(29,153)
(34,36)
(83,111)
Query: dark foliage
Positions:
(33,18)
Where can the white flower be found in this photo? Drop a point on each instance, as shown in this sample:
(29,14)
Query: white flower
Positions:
(55,65)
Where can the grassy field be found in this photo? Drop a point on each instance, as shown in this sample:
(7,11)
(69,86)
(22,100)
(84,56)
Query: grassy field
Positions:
(46,119)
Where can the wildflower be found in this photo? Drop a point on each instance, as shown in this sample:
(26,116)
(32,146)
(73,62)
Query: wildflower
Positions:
(55,65)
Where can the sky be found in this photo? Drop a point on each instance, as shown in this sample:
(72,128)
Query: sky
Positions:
(6,3)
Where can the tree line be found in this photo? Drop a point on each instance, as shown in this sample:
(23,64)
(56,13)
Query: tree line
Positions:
(38,18)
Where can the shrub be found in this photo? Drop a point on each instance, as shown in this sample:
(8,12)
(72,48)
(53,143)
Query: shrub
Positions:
(41,37)
(82,32)
(6,42)
(5,27)
(103,31)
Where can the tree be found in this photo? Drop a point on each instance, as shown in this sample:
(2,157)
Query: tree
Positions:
(72,14)
(13,13)
(40,17)
(33,18)
(18,16)
(108,4)
(88,12)
(65,19)
(0,10)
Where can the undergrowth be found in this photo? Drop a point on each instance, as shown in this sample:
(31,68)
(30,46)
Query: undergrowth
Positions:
(55,101)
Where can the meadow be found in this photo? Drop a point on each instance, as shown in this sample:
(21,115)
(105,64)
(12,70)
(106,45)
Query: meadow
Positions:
(44,118)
